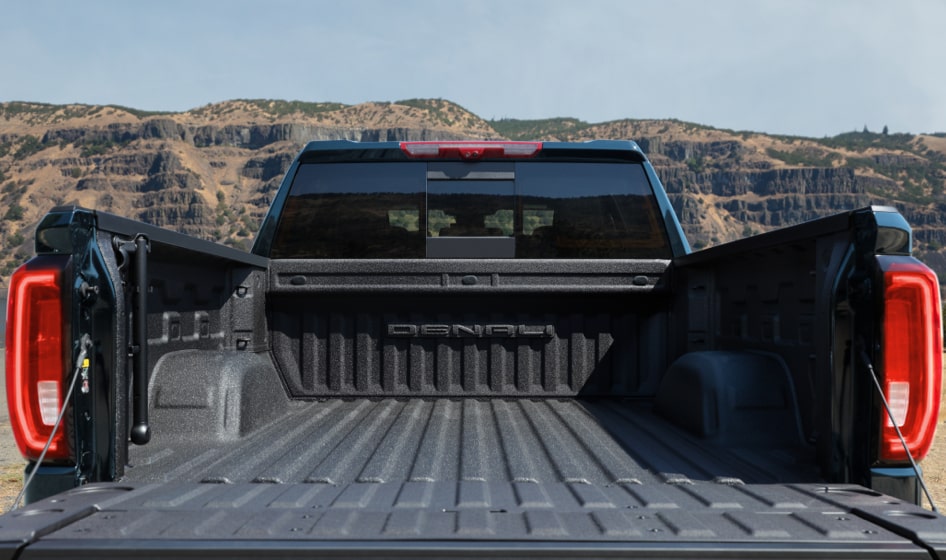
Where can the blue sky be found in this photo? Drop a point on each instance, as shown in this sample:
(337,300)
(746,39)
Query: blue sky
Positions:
(805,67)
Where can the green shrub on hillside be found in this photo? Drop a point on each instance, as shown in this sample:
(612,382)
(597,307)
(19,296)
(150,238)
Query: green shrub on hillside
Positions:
(14,108)
(282,108)
(136,112)
(14,213)
(696,164)
(806,158)
(95,148)
(537,129)
(435,107)
(860,141)
(28,146)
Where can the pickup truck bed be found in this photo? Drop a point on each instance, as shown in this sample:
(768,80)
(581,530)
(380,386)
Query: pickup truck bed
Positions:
(474,361)
(596,476)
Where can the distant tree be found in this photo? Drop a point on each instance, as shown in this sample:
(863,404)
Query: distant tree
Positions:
(696,164)
(865,131)
(14,212)
(29,146)
(885,131)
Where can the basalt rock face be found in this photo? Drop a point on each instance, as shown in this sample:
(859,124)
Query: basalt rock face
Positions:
(751,201)
(249,136)
(213,172)
(175,209)
(683,150)
(774,182)
(267,168)
(929,230)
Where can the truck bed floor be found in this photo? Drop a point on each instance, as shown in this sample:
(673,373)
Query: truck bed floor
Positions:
(431,478)
(344,441)
(469,519)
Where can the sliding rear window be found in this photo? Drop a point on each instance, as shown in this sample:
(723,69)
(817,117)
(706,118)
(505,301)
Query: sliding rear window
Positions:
(525,210)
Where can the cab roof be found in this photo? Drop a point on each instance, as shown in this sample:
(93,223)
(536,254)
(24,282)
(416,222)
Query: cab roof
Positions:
(472,151)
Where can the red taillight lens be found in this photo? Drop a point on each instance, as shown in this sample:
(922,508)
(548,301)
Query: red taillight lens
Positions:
(36,355)
(912,356)
(470,151)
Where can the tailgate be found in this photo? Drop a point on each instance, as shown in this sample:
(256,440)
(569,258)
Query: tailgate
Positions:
(470,518)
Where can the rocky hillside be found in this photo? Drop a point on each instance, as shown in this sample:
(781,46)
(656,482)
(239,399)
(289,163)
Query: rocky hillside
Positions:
(212,171)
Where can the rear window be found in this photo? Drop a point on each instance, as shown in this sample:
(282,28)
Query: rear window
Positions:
(525,210)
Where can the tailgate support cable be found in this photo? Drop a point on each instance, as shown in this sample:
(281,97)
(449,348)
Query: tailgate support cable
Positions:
(883,399)
(85,344)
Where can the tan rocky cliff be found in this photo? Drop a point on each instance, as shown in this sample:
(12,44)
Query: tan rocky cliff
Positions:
(211,172)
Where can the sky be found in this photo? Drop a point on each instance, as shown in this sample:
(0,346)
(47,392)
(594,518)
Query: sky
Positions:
(800,67)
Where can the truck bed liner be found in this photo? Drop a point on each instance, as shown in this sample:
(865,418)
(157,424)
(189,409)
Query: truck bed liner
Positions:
(572,441)
(441,478)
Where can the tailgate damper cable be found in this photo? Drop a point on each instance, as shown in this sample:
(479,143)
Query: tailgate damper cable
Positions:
(883,399)
(85,344)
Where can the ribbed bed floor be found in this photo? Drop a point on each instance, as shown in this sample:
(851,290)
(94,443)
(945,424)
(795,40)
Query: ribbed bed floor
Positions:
(349,441)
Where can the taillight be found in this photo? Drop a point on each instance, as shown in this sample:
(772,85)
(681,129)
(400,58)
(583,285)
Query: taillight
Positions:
(912,356)
(470,151)
(37,355)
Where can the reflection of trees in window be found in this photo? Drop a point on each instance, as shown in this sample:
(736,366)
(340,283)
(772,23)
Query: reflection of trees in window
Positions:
(535,218)
(501,220)
(438,220)
(407,219)
(350,226)
(470,215)
(605,226)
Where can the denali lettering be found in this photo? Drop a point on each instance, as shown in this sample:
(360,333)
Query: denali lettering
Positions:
(406,330)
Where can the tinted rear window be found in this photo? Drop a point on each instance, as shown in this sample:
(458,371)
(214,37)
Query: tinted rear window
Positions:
(526,210)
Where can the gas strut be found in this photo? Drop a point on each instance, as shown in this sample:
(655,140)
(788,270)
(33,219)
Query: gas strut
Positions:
(140,430)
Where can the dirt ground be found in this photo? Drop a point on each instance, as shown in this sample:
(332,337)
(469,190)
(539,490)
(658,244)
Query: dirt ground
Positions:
(11,480)
(11,465)
(934,466)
